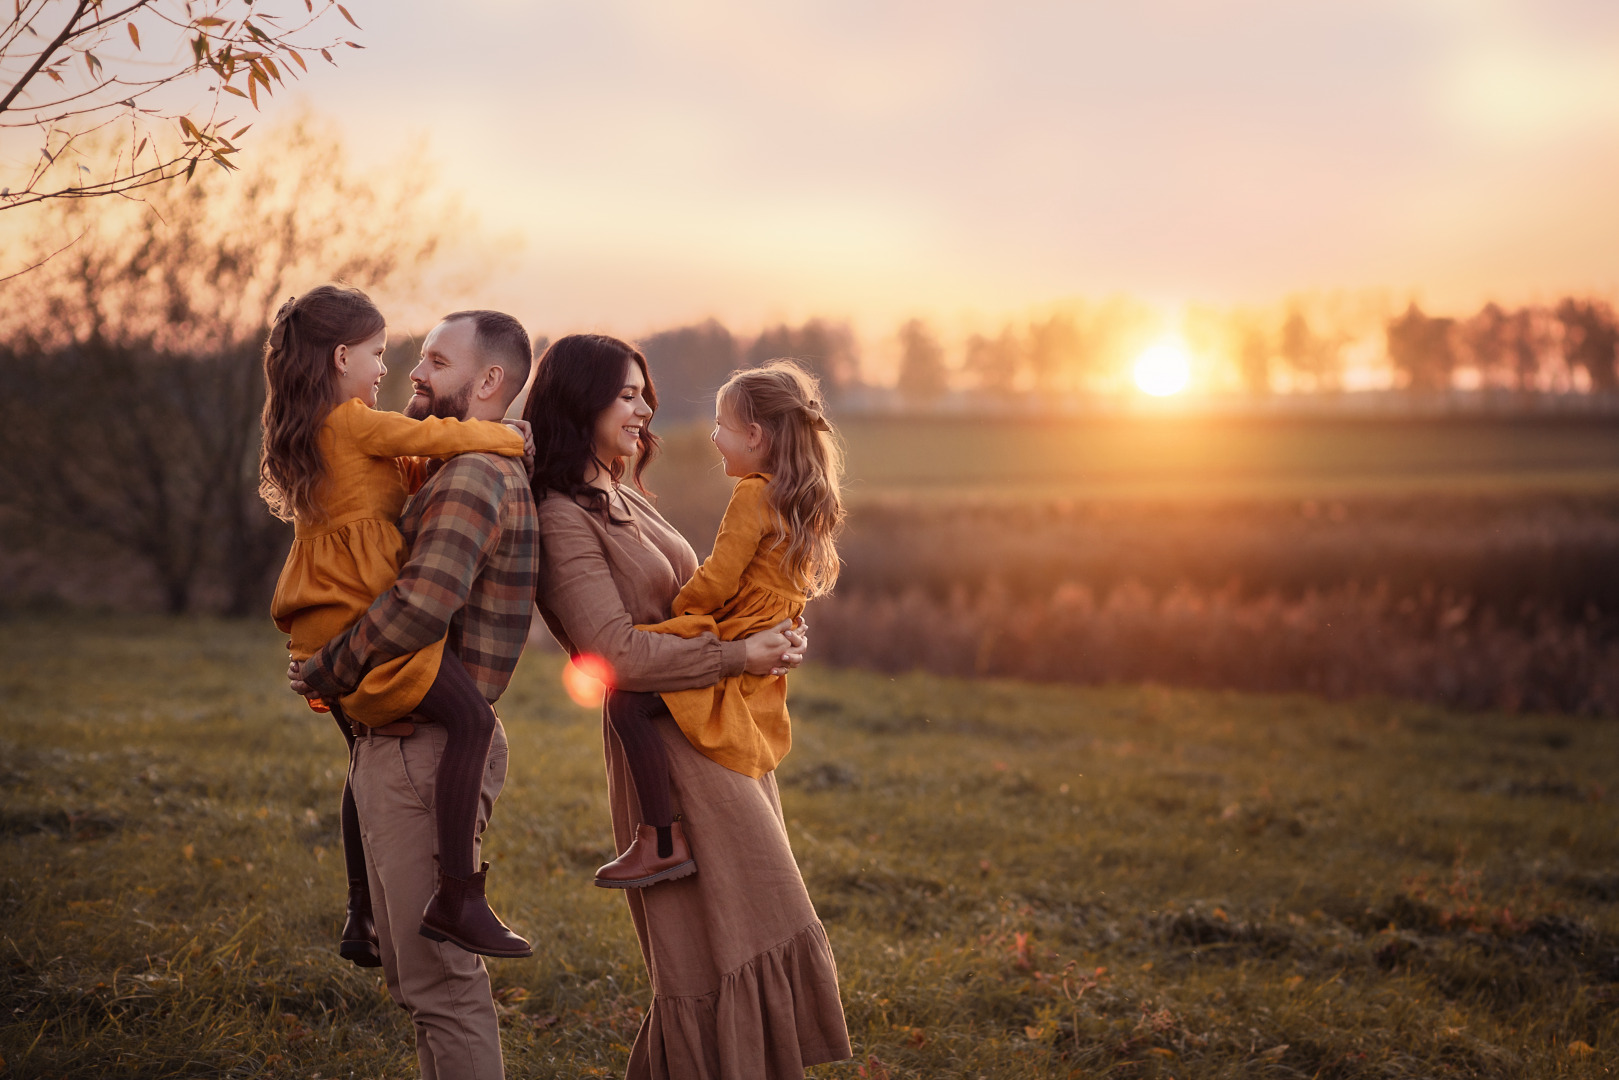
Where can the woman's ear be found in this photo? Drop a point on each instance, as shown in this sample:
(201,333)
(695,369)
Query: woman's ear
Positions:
(756,437)
(340,359)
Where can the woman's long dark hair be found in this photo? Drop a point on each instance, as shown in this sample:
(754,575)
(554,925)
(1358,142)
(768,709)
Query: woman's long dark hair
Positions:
(300,385)
(578,377)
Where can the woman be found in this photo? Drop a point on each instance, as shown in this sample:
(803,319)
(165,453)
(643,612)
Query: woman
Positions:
(743,979)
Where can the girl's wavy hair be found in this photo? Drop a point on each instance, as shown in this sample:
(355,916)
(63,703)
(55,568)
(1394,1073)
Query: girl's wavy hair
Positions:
(578,377)
(300,388)
(805,462)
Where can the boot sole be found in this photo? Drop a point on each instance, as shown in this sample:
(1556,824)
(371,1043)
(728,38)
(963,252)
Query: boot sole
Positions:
(685,869)
(432,934)
(360,953)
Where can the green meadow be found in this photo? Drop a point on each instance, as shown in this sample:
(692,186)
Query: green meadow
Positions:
(1018,881)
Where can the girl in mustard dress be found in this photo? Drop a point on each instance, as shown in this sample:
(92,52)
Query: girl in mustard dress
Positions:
(775,551)
(341,471)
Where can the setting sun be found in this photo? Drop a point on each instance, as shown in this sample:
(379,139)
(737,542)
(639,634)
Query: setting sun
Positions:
(1163,370)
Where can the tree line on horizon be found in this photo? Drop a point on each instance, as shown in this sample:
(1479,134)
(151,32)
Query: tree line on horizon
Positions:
(1517,353)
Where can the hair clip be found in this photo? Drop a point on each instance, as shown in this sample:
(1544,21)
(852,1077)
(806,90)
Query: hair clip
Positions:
(278,329)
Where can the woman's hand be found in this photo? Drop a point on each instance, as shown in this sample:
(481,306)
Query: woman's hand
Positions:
(777,650)
(527,432)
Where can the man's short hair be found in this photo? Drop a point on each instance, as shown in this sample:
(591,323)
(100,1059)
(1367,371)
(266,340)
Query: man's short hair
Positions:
(501,340)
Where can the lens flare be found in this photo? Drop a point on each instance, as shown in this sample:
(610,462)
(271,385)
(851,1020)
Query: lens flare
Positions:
(1163,370)
(586,679)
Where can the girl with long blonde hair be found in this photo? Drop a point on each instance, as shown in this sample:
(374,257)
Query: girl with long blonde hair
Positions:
(776,549)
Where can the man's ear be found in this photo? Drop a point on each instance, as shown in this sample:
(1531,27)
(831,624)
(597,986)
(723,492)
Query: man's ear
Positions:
(494,378)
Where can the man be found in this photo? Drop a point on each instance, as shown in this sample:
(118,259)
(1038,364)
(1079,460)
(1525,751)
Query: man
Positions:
(474,560)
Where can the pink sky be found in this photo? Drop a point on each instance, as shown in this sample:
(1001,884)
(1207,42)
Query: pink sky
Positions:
(657,163)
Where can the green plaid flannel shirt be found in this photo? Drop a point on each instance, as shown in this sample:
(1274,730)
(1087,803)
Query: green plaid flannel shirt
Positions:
(474,562)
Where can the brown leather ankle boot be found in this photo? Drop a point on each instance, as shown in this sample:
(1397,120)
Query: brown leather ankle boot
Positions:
(459,914)
(359,942)
(641,865)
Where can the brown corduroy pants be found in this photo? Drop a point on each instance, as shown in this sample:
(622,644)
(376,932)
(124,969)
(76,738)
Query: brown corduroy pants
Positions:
(443,988)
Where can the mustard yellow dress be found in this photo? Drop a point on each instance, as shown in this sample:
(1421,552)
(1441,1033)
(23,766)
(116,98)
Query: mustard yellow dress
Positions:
(742,588)
(338,566)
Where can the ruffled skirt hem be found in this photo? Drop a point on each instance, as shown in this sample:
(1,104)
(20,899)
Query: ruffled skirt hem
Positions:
(770,1018)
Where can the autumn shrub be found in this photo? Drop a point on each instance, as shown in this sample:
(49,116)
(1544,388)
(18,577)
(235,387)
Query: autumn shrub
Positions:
(1474,603)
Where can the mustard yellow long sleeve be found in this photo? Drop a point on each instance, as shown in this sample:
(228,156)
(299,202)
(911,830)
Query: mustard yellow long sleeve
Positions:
(391,434)
(720,577)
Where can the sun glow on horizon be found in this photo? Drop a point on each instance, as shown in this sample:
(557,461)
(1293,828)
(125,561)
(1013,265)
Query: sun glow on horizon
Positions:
(1162,370)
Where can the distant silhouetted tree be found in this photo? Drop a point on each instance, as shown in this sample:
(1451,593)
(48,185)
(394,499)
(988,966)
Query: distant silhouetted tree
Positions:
(1487,337)
(922,375)
(827,349)
(1055,353)
(994,363)
(1422,349)
(690,363)
(1591,340)
(1320,357)
(1527,330)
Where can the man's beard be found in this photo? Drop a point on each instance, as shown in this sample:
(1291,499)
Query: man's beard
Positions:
(450,407)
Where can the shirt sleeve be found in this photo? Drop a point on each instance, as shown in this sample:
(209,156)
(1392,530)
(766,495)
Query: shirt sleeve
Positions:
(460,527)
(583,599)
(390,434)
(720,576)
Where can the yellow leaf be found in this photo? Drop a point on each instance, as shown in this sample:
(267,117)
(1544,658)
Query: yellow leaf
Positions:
(209,21)
(189,851)
(232,90)
(349,17)
(1581,1048)
(134,35)
(297,59)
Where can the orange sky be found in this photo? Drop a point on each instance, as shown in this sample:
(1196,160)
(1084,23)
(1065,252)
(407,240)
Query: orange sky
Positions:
(657,163)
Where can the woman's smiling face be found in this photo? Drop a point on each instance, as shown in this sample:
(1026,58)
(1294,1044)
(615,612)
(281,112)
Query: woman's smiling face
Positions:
(618,427)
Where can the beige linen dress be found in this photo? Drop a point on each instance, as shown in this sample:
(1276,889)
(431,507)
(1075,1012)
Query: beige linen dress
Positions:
(743,980)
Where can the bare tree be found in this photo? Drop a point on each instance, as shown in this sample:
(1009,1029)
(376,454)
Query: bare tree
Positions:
(86,75)
(134,358)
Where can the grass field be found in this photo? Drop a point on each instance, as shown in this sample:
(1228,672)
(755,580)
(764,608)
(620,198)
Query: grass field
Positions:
(1018,881)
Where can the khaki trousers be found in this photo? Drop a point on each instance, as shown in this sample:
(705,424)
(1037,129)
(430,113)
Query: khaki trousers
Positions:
(443,988)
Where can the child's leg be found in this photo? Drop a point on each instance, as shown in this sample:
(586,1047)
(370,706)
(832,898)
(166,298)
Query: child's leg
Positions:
(455,703)
(631,715)
(459,911)
(353,845)
(359,938)
(659,851)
